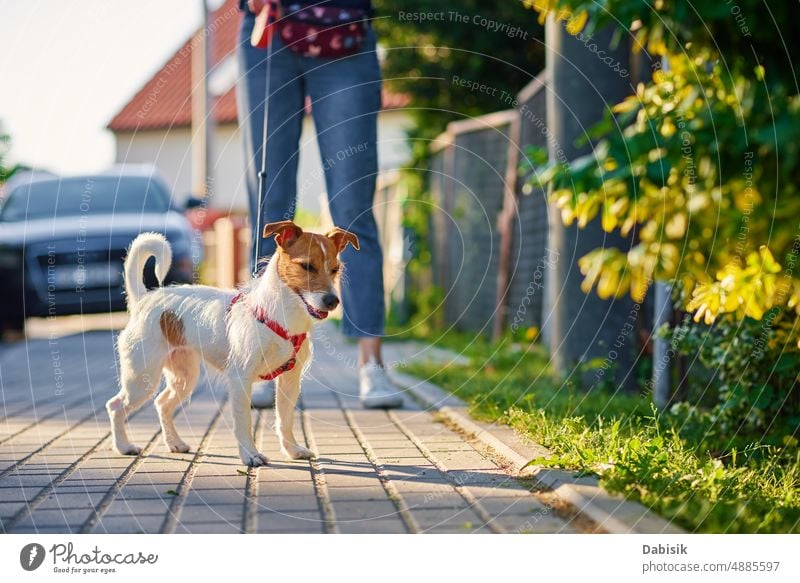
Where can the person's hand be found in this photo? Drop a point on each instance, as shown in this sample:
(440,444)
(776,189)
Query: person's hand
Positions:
(256,6)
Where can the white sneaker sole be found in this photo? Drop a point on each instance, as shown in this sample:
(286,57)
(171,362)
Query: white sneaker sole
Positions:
(382,402)
(263,399)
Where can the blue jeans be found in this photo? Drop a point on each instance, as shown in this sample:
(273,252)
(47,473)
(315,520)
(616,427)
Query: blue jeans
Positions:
(345,100)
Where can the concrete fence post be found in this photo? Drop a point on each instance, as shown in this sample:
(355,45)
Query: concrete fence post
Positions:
(582,327)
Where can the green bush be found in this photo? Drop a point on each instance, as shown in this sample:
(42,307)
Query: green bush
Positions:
(5,144)
(701,166)
(752,376)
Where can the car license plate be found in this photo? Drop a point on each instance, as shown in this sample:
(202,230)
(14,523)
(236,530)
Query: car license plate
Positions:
(92,275)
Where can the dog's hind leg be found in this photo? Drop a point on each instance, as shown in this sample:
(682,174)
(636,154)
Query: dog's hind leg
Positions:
(140,373)
(286,394)
(181,370)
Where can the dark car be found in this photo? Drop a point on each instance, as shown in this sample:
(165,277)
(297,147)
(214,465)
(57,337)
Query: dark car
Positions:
(63,241)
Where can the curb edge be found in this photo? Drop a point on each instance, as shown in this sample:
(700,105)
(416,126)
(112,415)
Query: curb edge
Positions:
(612,512)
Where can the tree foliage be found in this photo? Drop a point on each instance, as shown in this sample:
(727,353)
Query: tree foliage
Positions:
(701,163)
(5,143)
(497,44)
(429,45)
(701,166)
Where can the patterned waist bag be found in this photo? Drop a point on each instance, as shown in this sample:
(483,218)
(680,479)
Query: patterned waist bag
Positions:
(323,31)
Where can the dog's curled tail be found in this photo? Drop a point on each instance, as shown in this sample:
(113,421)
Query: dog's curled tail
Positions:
(144,247)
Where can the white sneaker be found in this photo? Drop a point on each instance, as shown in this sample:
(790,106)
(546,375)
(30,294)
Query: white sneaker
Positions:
(376,390)
(263,395)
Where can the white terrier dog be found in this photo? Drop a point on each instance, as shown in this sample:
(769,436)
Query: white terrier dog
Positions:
(257,332)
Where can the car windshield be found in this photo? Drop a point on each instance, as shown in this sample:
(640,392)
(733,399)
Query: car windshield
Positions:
(79,196)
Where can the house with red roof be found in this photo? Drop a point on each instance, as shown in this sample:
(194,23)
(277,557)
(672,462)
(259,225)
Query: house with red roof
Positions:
(154,127)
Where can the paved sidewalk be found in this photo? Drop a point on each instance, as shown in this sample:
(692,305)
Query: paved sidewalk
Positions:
(377,472)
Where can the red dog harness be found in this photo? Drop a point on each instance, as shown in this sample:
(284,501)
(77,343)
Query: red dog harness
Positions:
(296,339)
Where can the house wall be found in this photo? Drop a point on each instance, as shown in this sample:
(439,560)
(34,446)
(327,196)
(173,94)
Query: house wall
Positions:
(170,151)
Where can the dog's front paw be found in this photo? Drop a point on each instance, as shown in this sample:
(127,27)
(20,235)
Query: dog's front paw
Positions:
(178,447)
(128,449)
(253,459)
(297,452)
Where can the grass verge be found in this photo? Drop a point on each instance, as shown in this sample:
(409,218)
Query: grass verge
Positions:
(752,487)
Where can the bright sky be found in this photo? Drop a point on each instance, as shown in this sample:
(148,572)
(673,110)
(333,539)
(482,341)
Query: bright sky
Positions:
(66,67)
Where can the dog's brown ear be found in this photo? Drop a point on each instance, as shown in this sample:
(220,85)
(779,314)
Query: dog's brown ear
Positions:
(341,238)
(284,231)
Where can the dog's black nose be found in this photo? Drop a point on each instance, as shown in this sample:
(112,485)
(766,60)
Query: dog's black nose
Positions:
(330,301)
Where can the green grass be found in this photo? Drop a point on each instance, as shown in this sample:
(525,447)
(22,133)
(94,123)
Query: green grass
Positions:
(619,437)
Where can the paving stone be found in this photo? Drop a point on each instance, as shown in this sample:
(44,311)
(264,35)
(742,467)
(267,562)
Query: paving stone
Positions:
(448,499)
(215,527)
(411,470)
(13,493)
(166,480)
(465,460)
(365,510)
(286,489)
(503,505)
(394,526)
(71,500)
(292,528)
(215,496)
(211,513)
(464,528)
(284,497)
(60,529)
(416,461)
(142,523)
(51,517)
(142,491)
(468,477)
(324,449)
(305,521)
(533,525)
(350,480)
(406,485)
(9,509)
(457,519)
(364,494)
(448,446)
(125,507)
(286,503)
(27,481)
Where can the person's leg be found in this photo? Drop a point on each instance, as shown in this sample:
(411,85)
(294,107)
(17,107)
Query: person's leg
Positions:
(369,350)
(286,102)
(345,101)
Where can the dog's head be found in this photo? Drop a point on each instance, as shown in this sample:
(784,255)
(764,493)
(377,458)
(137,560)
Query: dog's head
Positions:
(308,263)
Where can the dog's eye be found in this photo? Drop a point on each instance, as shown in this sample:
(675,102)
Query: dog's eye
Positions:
(334,271)
(308,267)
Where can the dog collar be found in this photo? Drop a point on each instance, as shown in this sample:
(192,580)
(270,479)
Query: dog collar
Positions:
(296,339)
